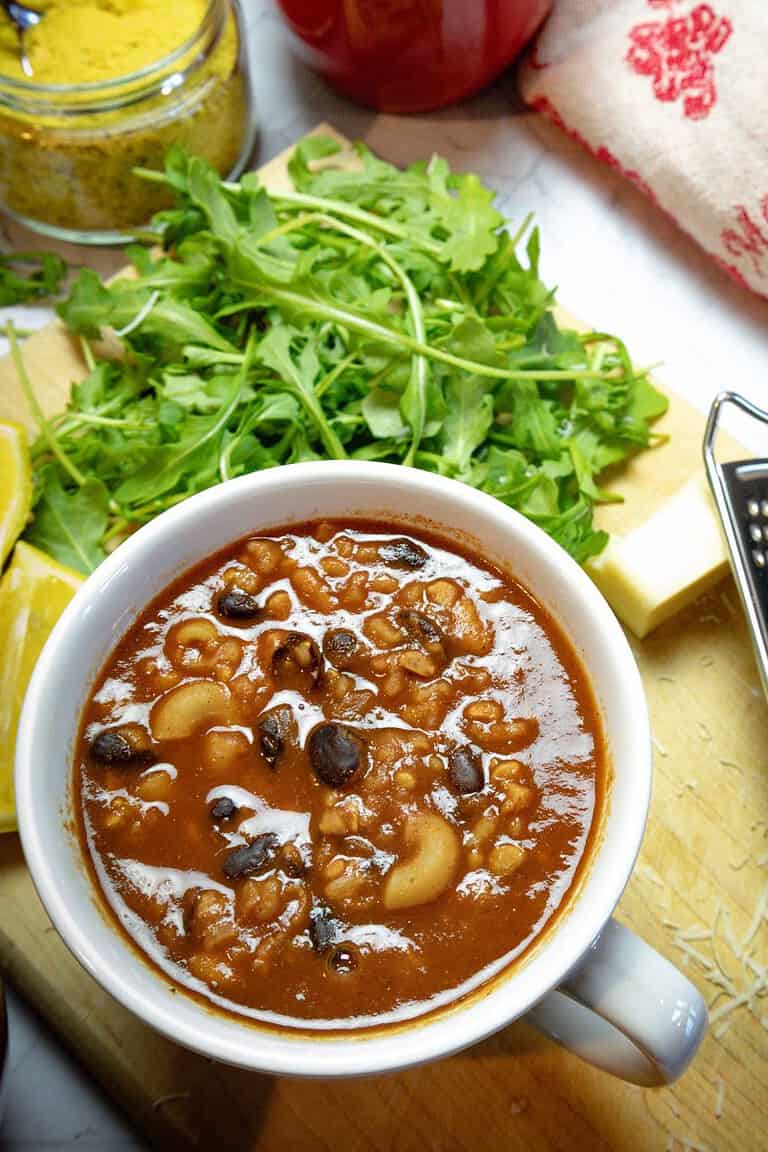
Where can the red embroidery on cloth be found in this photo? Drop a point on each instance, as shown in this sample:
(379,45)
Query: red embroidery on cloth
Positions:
(748,240)
(735,243)
(677,54)
(547,108)
(732,271)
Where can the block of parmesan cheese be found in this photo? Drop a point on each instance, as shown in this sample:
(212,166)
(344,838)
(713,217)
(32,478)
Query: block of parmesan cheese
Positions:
(666,563)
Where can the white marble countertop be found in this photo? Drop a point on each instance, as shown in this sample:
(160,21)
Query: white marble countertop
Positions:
(617,263)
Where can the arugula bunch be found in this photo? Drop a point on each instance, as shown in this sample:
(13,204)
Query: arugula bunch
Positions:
(373,314)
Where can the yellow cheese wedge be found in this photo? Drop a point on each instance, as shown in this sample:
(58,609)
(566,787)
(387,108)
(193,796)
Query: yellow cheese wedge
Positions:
(666,563)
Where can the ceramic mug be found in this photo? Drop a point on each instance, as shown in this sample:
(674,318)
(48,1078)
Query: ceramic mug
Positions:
(587,981)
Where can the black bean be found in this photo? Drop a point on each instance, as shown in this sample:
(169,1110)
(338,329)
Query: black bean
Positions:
(223,809)
(335,753)
(403,553)
(465,771)
(343,960)
(237,605)
(423,630)
(339,646)
(298,658)
(271,733)
(113,748)
(251,858)
(323,928)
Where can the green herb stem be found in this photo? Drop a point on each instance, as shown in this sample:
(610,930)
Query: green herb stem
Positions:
(360,215)
(29,393)
(379,332)
(117,528)
(87,351)
(331,442)
(90,418)
(145,512)
(332,376)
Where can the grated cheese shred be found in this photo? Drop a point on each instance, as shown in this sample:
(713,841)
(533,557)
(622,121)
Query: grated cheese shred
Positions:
(651,874)
(720,1101)
(730,992)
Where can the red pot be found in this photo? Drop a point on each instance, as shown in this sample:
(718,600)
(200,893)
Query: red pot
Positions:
(411,55)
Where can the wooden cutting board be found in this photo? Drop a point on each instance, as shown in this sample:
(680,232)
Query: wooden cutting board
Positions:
(703,860)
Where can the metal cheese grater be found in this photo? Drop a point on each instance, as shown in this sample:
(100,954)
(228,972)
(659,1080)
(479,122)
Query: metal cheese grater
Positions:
(740,489)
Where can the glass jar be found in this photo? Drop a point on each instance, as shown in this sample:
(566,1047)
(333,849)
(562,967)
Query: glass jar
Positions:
(67,151)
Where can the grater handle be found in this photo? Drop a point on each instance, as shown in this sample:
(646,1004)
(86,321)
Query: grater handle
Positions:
(744,519)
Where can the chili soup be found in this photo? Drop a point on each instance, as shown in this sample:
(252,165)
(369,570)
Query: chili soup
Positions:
(336,776)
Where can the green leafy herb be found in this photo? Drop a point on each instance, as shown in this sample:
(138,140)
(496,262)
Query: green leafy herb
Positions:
(468,419)
(465,211)
(29,276)
(370,314)
(70,524)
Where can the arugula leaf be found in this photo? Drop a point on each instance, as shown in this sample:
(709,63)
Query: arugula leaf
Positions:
(587,455)
(381,409)
(572,529)
(92,390)
(190,392)
(29,275)
(473,340)
(299,376)
(205,190)
(546,340)
(468,418)
(177,163)
(69,524)
(88,306)
(306,151)
(469,217)
(509,477)
(164,470)
(176,324)
(646,403)
(159,318)
(529,418)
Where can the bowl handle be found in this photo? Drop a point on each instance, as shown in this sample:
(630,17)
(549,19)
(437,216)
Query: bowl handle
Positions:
(627,1010)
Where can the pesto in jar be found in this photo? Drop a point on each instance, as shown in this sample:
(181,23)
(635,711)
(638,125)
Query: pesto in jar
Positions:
(115,84)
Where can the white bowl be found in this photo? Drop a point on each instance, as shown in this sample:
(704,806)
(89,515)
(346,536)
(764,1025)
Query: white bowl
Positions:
(659,1015)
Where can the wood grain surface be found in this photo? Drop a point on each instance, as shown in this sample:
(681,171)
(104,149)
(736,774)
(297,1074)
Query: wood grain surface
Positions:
(703,865)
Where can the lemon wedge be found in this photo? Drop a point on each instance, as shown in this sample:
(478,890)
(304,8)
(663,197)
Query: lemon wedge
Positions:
(15,486)
(33,593)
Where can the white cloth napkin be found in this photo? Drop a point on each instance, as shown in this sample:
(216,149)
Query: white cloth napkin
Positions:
(673,94)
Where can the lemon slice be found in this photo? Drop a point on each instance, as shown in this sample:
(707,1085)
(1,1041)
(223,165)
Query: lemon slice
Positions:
(33,593)
(15,486)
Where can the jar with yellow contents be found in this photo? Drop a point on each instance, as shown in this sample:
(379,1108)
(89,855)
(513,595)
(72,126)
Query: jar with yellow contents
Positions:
(114,84)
